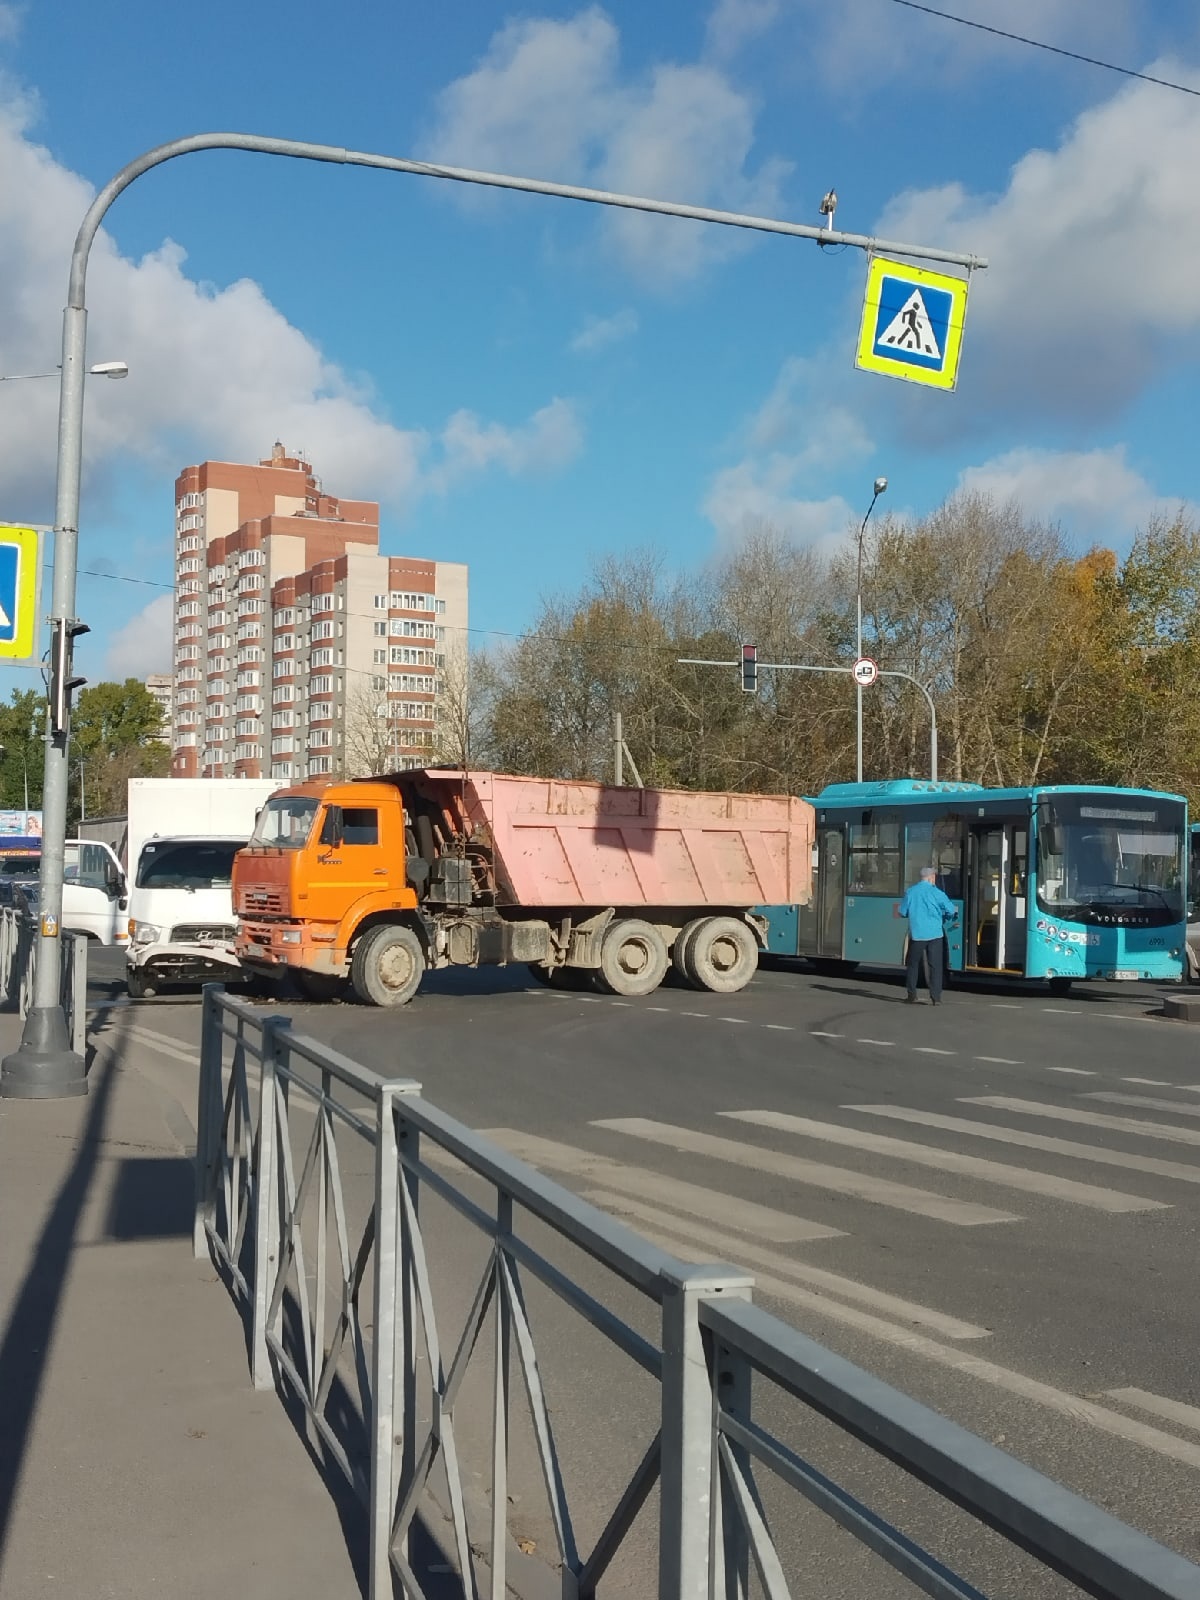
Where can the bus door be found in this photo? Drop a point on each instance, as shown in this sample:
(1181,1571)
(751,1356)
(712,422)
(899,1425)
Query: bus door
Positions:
(831,892)
(997,863)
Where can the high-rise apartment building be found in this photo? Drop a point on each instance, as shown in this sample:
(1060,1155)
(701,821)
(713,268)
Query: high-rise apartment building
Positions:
(299,649)
(161,686)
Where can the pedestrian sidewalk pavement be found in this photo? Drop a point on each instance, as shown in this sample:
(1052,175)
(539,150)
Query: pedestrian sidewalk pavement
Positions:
(136,1460)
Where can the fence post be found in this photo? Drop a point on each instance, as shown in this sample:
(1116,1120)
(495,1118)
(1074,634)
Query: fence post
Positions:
(79,969)
(266,1204)
(731,1393)
(686,1482)
(382,1421)
(208,1090)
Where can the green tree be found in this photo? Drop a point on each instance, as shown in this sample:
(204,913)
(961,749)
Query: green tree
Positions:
(116,734)
(21,724)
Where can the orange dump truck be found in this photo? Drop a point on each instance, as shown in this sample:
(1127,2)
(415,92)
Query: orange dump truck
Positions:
(375,880)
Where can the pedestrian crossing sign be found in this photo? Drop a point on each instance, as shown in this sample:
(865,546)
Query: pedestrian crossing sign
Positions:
(20,572)
(912,323)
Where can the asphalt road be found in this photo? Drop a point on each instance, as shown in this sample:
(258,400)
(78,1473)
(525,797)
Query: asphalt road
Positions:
(992,1205)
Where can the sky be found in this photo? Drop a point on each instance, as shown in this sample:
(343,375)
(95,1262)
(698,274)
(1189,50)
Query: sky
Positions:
(527,384)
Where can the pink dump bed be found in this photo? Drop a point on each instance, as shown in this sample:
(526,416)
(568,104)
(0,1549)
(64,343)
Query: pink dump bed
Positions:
(589,844)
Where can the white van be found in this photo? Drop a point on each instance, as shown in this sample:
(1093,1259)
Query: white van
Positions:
(95,898)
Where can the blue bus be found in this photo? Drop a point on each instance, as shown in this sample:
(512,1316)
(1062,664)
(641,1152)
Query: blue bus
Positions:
(1059,883)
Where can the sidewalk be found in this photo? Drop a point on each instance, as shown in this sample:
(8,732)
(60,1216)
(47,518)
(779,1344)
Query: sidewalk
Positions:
(136,1460)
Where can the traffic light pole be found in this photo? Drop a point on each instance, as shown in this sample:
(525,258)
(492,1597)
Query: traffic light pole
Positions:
(796,666)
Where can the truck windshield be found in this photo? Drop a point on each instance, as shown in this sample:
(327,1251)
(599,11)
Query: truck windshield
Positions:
(285,822)
(187,864)
(1111,859)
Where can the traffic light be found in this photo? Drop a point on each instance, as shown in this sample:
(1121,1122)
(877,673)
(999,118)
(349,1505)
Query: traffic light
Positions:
(750,668)
(62,684)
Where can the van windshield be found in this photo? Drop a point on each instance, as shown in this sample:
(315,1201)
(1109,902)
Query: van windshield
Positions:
(187,864)
(285,822)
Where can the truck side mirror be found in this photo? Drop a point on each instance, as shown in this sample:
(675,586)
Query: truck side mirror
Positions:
(332,831)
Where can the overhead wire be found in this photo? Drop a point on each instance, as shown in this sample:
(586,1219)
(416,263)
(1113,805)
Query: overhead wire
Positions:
(1052,49)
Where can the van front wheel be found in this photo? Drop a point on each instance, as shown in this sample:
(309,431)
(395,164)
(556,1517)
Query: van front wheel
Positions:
(388,965)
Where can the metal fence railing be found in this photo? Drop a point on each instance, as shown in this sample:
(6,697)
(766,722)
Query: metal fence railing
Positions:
(19,945)
(341,1312)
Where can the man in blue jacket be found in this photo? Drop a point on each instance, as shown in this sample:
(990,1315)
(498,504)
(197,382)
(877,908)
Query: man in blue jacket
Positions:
(927,910)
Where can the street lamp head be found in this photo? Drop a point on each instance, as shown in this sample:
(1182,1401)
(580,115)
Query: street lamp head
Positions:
(880,485)
(110,369)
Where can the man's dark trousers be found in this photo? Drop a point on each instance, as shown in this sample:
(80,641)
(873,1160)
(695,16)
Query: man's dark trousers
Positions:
(929,952)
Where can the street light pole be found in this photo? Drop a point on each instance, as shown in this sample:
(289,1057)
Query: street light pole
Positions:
(44,1066)
(880,486)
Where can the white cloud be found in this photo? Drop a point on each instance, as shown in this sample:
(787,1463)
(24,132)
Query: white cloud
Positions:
(549,100)
(856,48)
(1091,289)
(733,23)
(549,441)
(214,371)
(1095,494)
(11,18)
(144,644)
(597,333)
(791,443)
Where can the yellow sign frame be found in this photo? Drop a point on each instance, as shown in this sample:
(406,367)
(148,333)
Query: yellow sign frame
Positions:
(894,366)
(23,646)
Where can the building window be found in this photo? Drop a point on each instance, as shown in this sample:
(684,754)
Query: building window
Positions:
(379,657)
(189,564)
(285,617)
(284,694)
(251,558)
(322,602)
(322,630)
(381,602)
(318,765)
(281,769)
(321,658)
(320,738)
(284,668)
(282,719)
(407,601)
(285,641)
(381,629)
(321,685)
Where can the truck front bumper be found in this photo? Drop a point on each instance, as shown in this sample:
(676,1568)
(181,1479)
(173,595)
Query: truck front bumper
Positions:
(268,946)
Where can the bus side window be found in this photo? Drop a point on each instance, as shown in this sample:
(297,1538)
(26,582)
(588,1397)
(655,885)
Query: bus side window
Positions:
(946,855)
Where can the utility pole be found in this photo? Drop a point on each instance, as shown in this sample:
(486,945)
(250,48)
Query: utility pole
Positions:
(880,486)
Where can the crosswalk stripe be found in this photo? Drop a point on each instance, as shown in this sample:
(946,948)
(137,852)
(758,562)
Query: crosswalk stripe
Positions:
(758,1158)
(177,1049)
(1038,1141)
(692,1199)
(1159,1406)
(1087,1119)
(1043,1183)
(1148,1101)
(739,1252)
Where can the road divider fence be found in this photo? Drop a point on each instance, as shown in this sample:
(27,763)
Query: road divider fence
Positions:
(19,945)
(342,1317)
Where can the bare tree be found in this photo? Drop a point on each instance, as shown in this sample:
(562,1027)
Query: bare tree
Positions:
(370,741)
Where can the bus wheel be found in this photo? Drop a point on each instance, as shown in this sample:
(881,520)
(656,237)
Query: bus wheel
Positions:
(1061,985)
(633,958)
(722,955)
(387,966)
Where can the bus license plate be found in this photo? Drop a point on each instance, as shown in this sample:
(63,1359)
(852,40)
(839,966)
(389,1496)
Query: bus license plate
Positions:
(1126,976)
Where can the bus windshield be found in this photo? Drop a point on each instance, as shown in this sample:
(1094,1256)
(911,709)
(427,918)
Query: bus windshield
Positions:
(285,822)
(1111,859)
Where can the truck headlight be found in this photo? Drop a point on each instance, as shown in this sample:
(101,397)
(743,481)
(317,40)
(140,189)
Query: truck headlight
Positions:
(143,932)
(290,936)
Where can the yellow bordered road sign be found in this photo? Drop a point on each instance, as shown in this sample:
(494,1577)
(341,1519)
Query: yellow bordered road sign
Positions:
(20,583)
(912,323)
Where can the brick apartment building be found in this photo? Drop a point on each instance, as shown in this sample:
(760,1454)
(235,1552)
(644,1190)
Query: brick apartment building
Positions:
(300,649)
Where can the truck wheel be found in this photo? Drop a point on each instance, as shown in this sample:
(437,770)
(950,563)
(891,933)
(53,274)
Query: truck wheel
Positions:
(679,951)
(722,955)
(138,986)
(633,958)
(321,985)
(388,965)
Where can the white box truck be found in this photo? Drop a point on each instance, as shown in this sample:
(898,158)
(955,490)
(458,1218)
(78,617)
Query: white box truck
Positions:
(182,836)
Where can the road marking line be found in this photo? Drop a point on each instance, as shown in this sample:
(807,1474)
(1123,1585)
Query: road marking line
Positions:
(819,1033)
(666,1010)
(626,1003)
(1151,1083)
(1038,1141)
(1148,1101)
(1089,1119)
(931,1050)
(885,1043)
(587,999)
(758,1158)
(780,1027)
(734,1019)
(162,1042)
(1075,1072)
(923,1155)
(999,1061)
(703,1014)
(1061,1011)
(1159,1406)
(1006,1005)
(741,1252)
(693,1199)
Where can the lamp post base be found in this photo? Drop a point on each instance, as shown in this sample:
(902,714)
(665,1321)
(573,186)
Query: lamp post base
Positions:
(43,1067)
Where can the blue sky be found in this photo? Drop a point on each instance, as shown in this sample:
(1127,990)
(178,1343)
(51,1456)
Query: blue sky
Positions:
(524,383)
